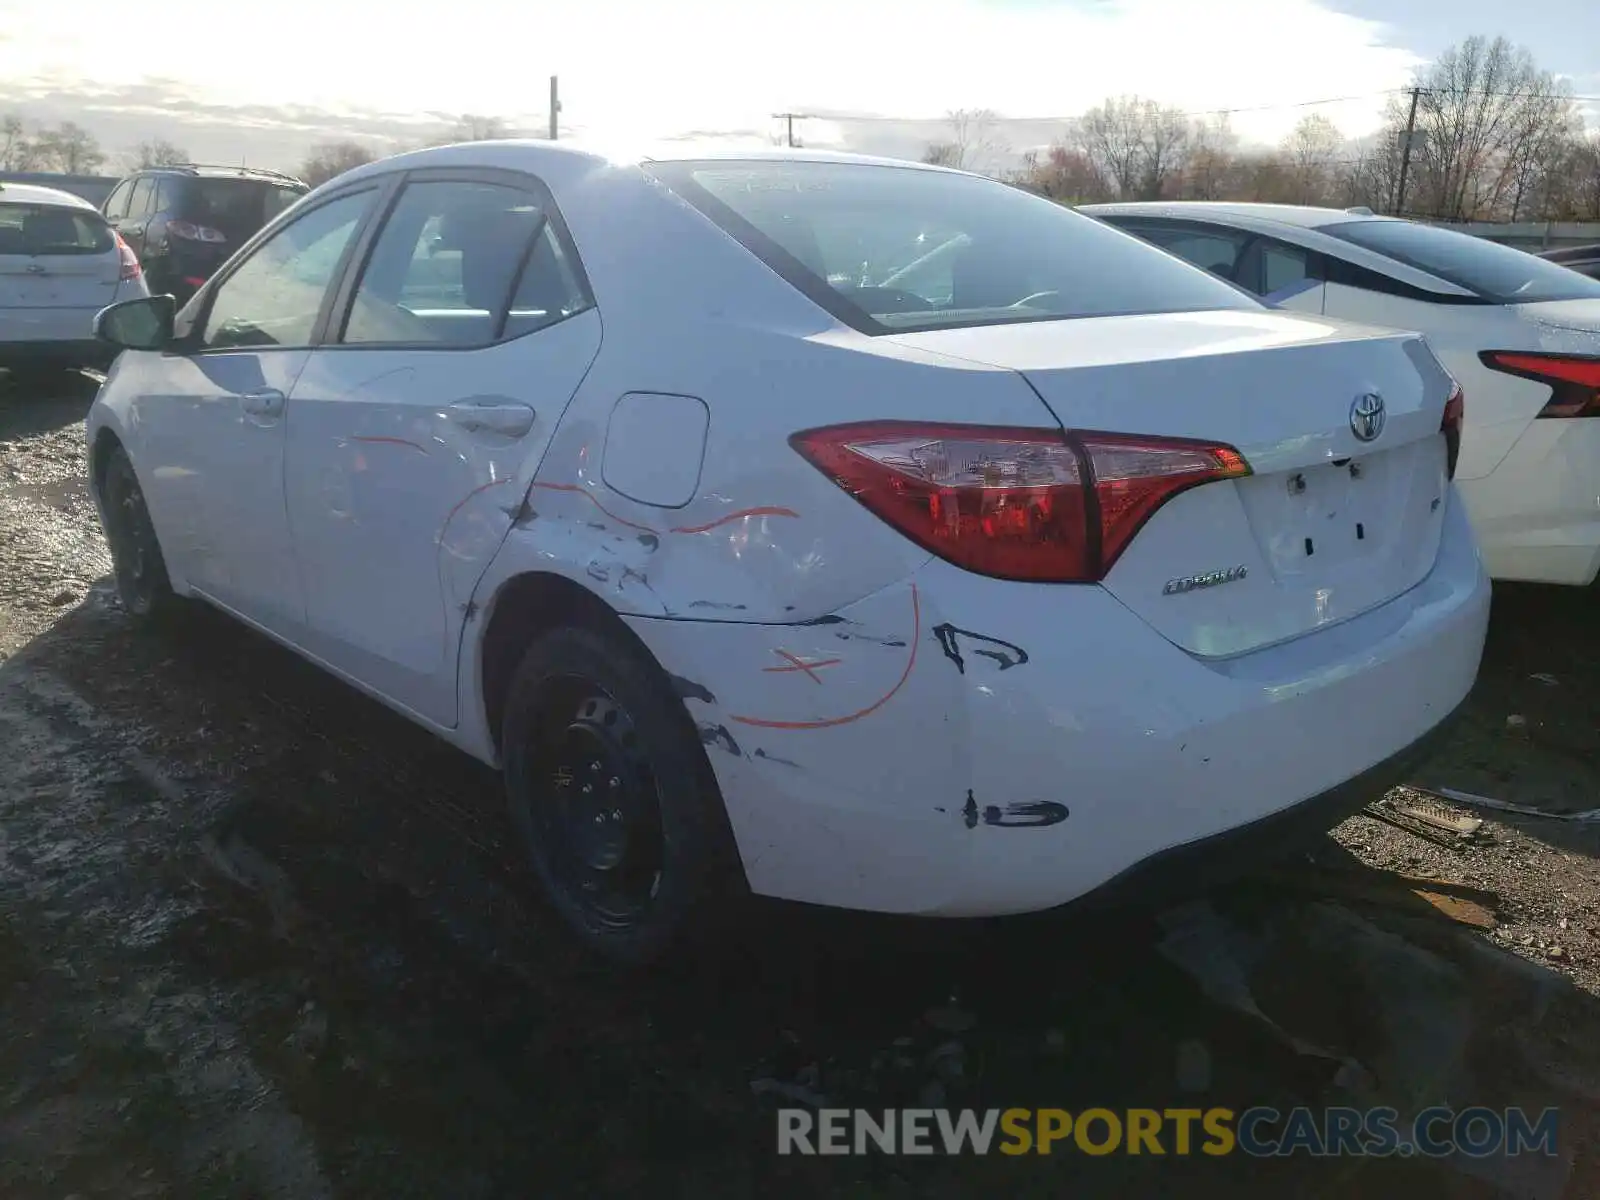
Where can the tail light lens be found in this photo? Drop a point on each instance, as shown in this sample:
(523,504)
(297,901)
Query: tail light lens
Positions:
(1574,379)
(1025,504)
(1455,412)
(190,232)
(128,260)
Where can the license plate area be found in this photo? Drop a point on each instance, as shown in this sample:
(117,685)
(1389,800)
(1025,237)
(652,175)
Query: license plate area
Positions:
(1317,517)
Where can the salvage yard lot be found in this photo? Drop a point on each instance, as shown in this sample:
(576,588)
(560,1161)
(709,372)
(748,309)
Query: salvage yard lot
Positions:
(260,938)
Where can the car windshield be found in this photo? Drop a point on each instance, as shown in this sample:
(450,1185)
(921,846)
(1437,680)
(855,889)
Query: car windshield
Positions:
(34,229)
(895,249)
(237,207)
(1495,272)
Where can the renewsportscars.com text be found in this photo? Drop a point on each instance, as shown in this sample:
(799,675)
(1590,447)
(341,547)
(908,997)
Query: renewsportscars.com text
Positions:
(1259,1132)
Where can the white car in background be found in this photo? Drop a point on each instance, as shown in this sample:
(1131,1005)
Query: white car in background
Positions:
(60,264)
(1521,335)
(963,594)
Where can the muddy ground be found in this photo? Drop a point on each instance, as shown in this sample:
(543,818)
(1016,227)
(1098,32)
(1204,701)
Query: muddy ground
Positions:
(258,938)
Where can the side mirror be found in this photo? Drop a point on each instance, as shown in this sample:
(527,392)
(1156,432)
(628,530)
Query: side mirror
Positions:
(142,324)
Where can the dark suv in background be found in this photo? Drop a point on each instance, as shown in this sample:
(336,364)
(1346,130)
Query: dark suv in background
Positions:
(184,221)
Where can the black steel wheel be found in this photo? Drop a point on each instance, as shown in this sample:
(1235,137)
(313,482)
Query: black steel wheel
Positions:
(140,570)
(611,791)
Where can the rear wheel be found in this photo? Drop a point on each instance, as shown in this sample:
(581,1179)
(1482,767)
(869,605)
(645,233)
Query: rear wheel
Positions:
(140,570)
(610,789)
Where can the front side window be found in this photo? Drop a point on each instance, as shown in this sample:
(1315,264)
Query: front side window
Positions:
(1214,250)
(274,296)
(45,229)
(890,249)
(462,263)
(1494,272)
(117,203)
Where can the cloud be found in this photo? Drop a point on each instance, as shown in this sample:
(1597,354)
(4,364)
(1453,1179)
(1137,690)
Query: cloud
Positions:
(641,69)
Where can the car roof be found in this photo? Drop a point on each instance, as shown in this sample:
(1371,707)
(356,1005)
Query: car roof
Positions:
(1304,216)
(33,193)
(578,156)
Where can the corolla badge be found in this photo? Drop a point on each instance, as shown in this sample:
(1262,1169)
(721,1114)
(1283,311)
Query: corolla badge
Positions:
(1211,579)
(1367,416)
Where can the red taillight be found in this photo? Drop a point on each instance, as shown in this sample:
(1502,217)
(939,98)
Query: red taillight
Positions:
(190,232)
(1026,504)
(1455,412)
(128,260)
(1573,379)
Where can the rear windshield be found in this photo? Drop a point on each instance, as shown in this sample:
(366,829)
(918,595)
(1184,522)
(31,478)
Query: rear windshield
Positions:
(1495,272)
(895,249)
(46,229)
(236,207)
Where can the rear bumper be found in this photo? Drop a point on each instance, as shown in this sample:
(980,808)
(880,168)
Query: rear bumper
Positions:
(981,748)
(1222,857)
(1537,514)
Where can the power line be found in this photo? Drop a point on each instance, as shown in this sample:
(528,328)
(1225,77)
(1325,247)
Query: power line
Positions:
(1205,112)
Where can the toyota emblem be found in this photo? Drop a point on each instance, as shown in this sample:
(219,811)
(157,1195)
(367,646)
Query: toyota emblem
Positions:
(1367,416)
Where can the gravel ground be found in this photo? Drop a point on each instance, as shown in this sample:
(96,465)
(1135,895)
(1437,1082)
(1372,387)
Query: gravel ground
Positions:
(260,939)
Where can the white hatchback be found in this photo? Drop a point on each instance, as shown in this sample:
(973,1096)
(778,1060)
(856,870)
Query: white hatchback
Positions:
(853,532)
(1520,333)
(60,264)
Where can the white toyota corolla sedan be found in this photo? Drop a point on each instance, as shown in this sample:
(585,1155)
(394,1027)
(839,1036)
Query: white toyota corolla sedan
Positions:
(1520,333)
(850,531)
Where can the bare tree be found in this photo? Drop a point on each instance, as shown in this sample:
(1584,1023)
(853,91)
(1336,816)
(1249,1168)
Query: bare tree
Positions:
(1139,147)
(17,150)
(942,154)
(471,127)
(1310,150)
(1062,173)
(1213,170)
(328,160)
(68,148)
(1480,105)
(1111,136)
(979,142)
(156,153)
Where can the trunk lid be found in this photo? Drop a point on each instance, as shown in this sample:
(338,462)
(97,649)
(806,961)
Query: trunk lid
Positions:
(1327,526)
(1577,316)
(54,257)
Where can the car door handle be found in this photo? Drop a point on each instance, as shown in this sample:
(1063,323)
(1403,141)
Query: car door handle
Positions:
(268,403)
(508,420)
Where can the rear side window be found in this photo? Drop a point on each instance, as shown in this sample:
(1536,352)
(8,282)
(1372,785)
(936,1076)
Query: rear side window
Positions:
(894,249)
(143,195)
(1495,272)
(43,229)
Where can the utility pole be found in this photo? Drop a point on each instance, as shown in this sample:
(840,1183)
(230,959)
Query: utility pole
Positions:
(555,107)
(790,118)
(1405,154)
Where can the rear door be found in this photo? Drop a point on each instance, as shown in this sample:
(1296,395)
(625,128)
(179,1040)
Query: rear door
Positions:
(58,266)
(415,429)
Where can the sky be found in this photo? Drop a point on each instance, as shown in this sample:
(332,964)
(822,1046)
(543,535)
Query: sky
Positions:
(305,70)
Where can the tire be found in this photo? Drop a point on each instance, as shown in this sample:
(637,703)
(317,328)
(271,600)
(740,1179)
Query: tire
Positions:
(639,875)
(139,569)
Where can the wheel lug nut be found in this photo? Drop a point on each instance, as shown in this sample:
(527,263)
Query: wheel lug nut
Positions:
(587,788)
(615,782)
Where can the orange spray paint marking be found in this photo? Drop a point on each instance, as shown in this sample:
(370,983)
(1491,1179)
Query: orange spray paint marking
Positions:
(800,664)
(589,496)
(765,511)
(911,661)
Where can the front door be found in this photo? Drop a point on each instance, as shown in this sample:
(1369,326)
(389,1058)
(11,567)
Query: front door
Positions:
(216,421)
(414,431)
